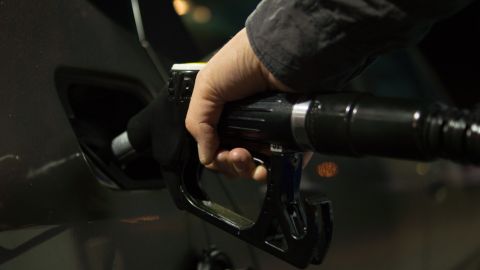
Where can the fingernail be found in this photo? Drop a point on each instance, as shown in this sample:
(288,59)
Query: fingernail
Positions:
(259,173)
(202,155)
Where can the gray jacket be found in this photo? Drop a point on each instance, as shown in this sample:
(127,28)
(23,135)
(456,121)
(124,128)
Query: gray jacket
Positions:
(319,45)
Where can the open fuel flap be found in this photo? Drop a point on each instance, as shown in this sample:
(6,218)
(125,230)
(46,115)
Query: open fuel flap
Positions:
(98,106)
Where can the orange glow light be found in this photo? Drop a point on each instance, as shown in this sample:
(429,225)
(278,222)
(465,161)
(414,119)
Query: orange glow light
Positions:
(327,169)
(141,219)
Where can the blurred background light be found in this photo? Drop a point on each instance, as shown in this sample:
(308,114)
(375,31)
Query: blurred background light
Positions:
(182,7)
(422,168)
(202,14)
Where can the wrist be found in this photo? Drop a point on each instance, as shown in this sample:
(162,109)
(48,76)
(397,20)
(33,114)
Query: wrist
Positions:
(271,81)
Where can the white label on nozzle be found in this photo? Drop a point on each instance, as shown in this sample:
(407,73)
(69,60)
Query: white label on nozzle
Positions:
(188,66)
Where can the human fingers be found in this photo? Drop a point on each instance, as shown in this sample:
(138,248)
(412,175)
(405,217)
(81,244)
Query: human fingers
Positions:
(233,73)
(202,118)
(238,162)
(222,165)
(243,163)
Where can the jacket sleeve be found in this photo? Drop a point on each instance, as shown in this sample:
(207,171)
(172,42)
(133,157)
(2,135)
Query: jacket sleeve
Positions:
(320,45)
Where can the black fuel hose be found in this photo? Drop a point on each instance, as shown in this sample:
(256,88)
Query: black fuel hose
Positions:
(351,124)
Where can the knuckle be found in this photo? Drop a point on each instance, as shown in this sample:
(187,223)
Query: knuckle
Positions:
(189,123)
(201,78)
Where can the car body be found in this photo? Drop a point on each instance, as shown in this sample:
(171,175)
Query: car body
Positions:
(73,72)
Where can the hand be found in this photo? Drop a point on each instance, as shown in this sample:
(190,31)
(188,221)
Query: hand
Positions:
(233,73)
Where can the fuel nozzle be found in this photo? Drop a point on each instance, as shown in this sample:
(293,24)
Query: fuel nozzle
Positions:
(279,127)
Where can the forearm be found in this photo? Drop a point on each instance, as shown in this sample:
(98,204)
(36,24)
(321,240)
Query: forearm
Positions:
(321,45)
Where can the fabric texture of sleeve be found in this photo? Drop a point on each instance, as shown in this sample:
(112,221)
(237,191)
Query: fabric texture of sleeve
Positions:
(320,45)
